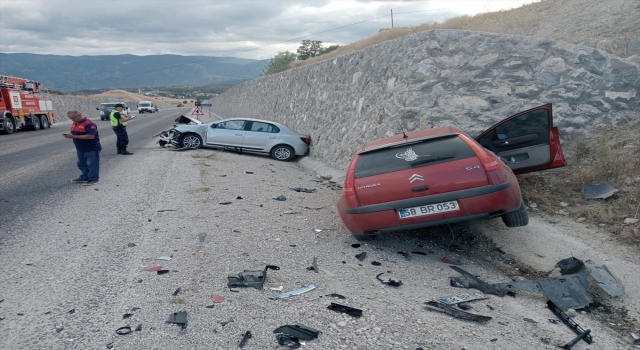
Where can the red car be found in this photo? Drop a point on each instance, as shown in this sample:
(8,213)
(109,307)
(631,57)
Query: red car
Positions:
(442,175)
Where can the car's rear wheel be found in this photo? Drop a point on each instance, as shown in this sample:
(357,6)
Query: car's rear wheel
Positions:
(191,141)
(517,218)
(365,237)
(282,152)
(44,122)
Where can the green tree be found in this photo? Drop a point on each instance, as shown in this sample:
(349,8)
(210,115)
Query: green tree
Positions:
(309,48)
(328,49)
(279,62)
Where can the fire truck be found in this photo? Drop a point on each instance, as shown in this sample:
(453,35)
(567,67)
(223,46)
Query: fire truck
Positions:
(21,107)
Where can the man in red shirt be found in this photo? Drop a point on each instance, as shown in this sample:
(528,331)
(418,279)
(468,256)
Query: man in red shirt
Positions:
(85,137)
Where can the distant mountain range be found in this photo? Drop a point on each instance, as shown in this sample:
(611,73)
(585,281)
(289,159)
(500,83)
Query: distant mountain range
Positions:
(68,73)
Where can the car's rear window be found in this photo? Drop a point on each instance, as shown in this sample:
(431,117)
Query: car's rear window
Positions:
(413,155)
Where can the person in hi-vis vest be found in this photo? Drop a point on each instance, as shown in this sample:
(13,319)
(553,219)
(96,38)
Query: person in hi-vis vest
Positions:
(119,126)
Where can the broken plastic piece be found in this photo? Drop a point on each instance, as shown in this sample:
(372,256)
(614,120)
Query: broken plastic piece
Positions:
(245,338)
(138,328)
(406,255)
(449,310)
(217,298)
(315,264)
(123,330)
(392,282)
(302,189)
(298,331)
(345,310)
(418,252)
(153,268)
(224,323)
(570,266)
(470,281)
(177,291)
(361,256)
(599,191)
(281,198)
(210,306)
(179,318)
(162,272)
(606,280)
(569,322)
(125,316)
(567,292)
(464,306)
(575,340)
(355,245)
(165,258)
(288,341)
(225,203)
(297,291)
(461,298)
(529,320)
(202,236)
(334,295)
(449,260)
(375,263)
(249,278)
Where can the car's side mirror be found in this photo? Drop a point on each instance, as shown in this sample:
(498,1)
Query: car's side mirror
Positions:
(97,108)
(213,126)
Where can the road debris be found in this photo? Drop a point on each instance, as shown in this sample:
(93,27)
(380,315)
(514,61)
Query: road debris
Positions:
(179,318)
(575,340)
(210,306)
(530,320)
(249,278)
(123,330)
(606,280)
(291,335)
(361,256)
(245,338)
(281,198)
(355,245)
(461,298)
(162,272)
(375,263)
(302,189)
(248,172)
(177,291)
(449,260)
(297,291)
(138,328)
(202,236)
(391,281)
(239,197)
(406,255)
(224,323)
(163,210)
(315,264)
(225,203)
(165,258)
(334,295)
(569,322)
(570,266)
(599,191)
(125,316)
(345,310)
(464,306)
(449,310)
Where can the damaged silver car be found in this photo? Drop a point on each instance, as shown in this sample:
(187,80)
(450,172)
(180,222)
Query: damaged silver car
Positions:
(240,134)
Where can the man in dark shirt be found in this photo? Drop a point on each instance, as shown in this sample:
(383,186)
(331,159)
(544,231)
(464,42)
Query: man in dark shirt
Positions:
(119,125)
(85,137)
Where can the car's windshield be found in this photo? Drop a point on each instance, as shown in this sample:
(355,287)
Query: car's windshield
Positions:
(108,105)
(145,104)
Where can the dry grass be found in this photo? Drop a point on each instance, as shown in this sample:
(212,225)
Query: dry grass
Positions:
(572,21)
(613,157)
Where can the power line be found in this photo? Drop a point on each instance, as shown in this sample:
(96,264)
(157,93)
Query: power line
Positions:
(246,50)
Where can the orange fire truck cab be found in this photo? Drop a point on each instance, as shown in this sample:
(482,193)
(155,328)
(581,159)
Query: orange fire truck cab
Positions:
(21,107)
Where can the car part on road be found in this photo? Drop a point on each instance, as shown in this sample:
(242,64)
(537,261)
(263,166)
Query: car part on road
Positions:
(315,265)
(468,280)
(302,189)
(123,330)
(297,291)
(138,328)
(345,310)
(449,310)
(249,278)
(391,281)
(449,260)
(606,280)
(162,272)
(224,323)
(355,245)
(298,331)
(361,256)
(179,318)
(217,298)
(125,316)
(530,320)
(575,340)
(202,236)
(570,266)
(334,295)
(153,268)
(375,263)
(568,321)
(418,252)
(281,198)
(165,258)
(225,203)
(599,191)
(245,338)
(461,298)
(210,306)
(177,291)
(288,341)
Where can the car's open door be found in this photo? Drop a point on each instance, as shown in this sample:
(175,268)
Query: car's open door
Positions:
(527,141)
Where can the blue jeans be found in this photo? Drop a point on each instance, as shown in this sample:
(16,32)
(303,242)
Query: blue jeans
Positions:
(89,164)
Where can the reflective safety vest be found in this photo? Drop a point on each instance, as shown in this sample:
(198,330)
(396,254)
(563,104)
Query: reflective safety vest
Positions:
(114,120)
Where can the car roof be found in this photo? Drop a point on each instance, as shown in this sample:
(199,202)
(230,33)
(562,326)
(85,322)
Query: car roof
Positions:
(397,140)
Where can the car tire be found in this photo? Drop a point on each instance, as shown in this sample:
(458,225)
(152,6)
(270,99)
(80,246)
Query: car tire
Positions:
(35,123)
(9,126)
(517,218)
(283,153)
(191,141)
(44,122)
(365,237)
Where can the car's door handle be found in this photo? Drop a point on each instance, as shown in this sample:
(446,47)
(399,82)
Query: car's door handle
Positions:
(420,188)
(238,134)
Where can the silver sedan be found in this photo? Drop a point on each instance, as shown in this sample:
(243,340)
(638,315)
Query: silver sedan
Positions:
(242,134)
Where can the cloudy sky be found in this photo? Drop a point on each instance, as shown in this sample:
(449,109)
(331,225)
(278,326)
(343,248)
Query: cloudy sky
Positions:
(239,28)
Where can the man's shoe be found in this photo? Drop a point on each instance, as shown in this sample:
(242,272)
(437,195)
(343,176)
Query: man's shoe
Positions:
(79,180)
(119,151)
(125,152)
(91,183)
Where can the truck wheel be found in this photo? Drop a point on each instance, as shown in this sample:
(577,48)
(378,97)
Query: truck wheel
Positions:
(9,126)
(35,123)
(44,122)
(517,218)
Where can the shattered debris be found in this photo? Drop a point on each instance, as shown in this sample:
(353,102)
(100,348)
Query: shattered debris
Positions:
(281,198)
(123,330)
(165,258)
(391,281)
(177,291)
(345,310)
(225,203)
(406,255)
(449,310)
(570,266)
(599,191)
(302,189)
(361,256)
(375,263)
(569,322)
(202,236)
(297,291)
(179,318)
(249,278)
(355,245)
(461,298)
(138,328)
(245,338)
(291,335)
(606,280)
(162,272)
(217,298)
(334,295)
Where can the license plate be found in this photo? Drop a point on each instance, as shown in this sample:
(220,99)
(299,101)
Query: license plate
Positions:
(428,209)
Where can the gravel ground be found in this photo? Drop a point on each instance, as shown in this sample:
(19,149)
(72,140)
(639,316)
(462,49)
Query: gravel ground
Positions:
(85,251)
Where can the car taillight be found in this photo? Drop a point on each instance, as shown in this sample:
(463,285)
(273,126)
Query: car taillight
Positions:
(489,161)
(349,188)
(306,140)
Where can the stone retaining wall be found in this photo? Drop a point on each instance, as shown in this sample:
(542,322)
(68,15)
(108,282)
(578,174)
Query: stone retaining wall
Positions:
(449,77)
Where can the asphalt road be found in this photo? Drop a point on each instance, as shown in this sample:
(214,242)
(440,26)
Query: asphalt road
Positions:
(35,166)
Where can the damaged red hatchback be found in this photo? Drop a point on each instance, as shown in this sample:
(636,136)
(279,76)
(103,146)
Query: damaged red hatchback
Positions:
(442,175)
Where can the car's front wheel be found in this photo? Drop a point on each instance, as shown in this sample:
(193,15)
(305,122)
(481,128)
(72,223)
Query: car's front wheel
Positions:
(516,218)
(191,141)
(282,152)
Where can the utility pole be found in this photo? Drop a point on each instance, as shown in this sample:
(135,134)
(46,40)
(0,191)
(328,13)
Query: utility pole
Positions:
(391,18)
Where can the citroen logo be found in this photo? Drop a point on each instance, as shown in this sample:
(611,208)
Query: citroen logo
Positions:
(416,177)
